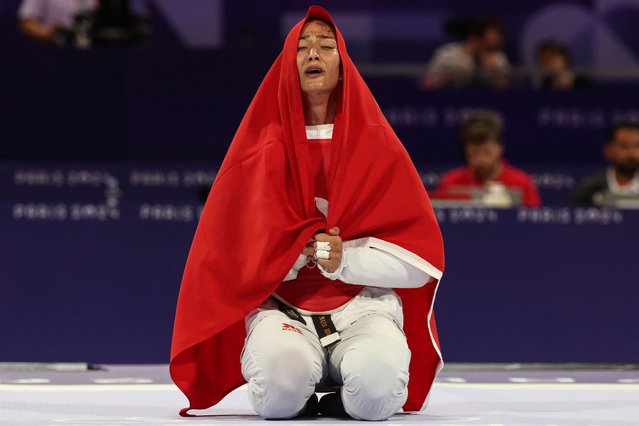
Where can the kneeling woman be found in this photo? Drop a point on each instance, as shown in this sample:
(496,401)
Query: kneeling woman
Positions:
(318,255)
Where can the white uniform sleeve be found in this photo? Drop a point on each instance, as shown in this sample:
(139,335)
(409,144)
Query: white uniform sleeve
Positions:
(299,264)
(372,266)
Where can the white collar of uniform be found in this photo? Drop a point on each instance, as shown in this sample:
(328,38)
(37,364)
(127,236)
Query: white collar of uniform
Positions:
(615,188)
(319,131)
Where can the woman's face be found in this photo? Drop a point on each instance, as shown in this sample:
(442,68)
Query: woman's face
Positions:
(317,58)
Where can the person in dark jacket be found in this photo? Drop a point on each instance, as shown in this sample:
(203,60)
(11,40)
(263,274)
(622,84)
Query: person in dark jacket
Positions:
(621,179)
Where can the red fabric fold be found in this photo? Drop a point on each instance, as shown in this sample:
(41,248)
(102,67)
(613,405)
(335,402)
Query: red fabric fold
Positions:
(261,212)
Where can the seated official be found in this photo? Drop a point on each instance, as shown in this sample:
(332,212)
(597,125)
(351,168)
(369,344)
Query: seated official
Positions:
(619,184)
(488,178)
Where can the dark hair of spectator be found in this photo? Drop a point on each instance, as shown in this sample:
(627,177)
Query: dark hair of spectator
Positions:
(624,124)
(466,27)
(481,126)
(556,47)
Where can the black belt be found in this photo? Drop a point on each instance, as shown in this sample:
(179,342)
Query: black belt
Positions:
(324,326)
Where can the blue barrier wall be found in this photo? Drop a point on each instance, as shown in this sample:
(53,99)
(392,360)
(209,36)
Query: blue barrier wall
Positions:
(90,270)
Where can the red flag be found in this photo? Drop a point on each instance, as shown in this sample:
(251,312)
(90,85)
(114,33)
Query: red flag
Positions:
(261,212)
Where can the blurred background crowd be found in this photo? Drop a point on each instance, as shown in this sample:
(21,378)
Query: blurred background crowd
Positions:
(537,82)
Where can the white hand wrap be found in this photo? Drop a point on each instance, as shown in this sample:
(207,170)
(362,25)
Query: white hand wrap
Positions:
(323,245)
(322,254)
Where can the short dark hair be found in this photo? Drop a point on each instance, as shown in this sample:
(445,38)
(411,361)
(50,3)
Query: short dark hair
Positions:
(487,22)
(480,126)
(622,124)
(475,26)
(554,46)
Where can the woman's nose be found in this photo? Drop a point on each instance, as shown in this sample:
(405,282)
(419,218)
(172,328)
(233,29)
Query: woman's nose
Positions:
(312,54)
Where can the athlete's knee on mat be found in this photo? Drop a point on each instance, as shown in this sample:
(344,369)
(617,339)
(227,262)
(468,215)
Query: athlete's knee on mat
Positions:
(375,384)
(369,400)
(278,405)
(378,365)
(373,412)
(272,403)
(361,404)
(280,384)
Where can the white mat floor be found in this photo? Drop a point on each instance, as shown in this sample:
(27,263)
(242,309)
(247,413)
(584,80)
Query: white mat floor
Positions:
(123,397)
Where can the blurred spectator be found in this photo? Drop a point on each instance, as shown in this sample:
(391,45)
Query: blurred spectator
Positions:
(85,23)
(52,20)
(478,60)
(621,180)
(500,183)
(555,69)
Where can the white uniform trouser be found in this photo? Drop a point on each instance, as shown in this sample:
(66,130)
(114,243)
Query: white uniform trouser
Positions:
(283,361)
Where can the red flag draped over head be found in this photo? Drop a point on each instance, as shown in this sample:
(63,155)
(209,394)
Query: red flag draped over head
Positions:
(261,212)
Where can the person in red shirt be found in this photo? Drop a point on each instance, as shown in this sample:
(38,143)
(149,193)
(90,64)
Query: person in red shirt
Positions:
(481,137)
